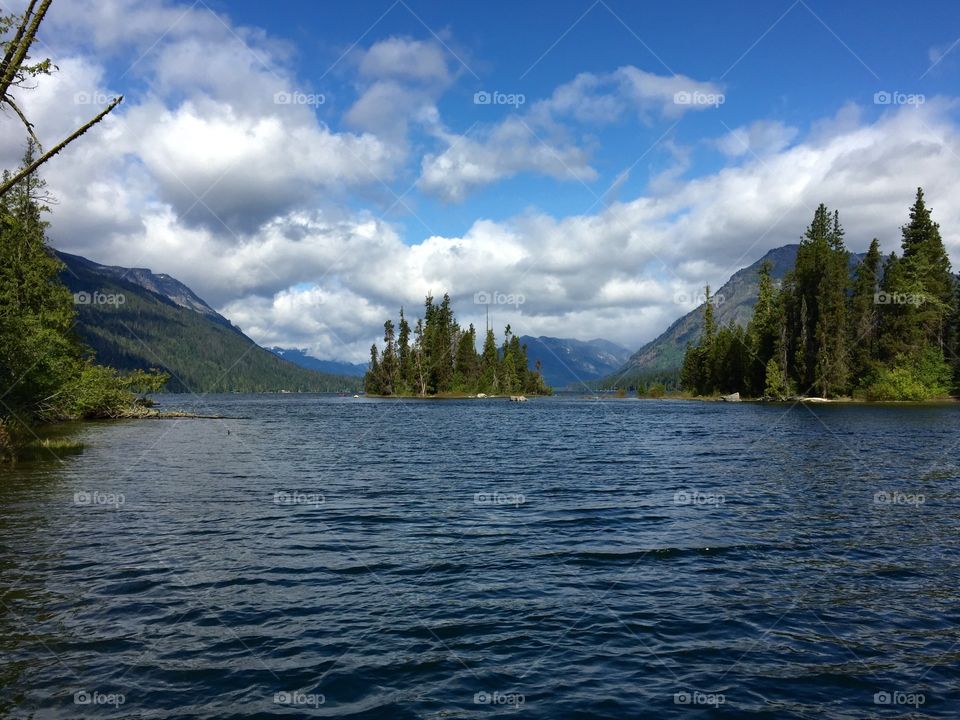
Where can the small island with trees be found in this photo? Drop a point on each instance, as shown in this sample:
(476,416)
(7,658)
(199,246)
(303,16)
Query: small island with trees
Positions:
(887,331)
(441,359)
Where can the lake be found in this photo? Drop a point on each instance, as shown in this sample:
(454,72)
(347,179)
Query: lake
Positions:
(320,556)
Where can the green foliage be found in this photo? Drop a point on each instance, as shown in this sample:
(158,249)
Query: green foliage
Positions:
(775,384)
(922,376)
(45,372)
(883,332)
(443,359)
(654,390)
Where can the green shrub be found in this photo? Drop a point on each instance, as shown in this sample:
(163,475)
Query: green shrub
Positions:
(922,376)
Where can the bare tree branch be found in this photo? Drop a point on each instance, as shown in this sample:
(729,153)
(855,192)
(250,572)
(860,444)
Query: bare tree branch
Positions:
(26,123)
(57,148)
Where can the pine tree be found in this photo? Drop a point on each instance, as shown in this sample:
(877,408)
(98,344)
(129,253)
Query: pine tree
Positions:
(467,368)
(832,364)
(373,377)
(864,325)
(927,273)
(38,355)
(388,361)
(404,356)
(762,332)
(489,365)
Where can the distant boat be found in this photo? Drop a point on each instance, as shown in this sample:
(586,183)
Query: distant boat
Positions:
(356,396)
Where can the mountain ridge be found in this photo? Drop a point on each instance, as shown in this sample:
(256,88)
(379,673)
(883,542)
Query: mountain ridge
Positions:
(134,319)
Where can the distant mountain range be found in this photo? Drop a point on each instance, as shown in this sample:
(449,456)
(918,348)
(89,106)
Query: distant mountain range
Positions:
(569,363)
(135,319)
(161,323)
(300,357)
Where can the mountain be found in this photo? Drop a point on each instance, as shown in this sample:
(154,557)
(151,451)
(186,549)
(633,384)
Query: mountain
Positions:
(663,356)
(300,357)
(736,298)
(566,362)
(135,319)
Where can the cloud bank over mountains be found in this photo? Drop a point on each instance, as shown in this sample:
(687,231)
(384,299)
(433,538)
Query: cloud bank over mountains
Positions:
(271,195)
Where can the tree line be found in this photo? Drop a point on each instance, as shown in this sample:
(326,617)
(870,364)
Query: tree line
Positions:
(888,330)
(437,356)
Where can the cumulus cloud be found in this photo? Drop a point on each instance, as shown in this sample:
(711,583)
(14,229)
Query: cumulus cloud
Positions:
(629,270)
(539,141)
(400,79)
(506,149)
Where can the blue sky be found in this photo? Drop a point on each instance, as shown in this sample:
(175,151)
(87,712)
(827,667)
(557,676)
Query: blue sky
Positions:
(777,59)
(603,198)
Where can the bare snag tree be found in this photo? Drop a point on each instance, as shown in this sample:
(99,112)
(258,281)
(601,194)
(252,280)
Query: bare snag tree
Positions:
(18,33)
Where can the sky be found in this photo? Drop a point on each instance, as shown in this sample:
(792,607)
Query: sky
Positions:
(583,169)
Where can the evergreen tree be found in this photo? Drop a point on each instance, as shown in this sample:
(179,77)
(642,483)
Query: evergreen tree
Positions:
(832,365)
(467,368)
(373,376)
(489,364)
(38,355)
(762,332)
(404,356)
(863,336)
(927,273)
(389,372)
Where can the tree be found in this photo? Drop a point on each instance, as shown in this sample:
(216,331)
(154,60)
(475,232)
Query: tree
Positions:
(762,331)
(38,355)
(45,372)
(389,371)
(864,326)
(775,385)
(373,377)
(466,374)
(404,357)
(927,274)
(489,364)
(17,72)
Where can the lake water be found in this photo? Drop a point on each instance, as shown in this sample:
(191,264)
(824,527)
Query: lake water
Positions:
(563,558)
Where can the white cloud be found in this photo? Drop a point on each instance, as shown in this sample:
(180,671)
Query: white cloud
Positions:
(760,138)
(407,59)
(538,141)
(507,149)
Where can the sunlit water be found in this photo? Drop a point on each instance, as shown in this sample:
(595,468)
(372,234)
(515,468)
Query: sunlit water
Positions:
(564,558)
